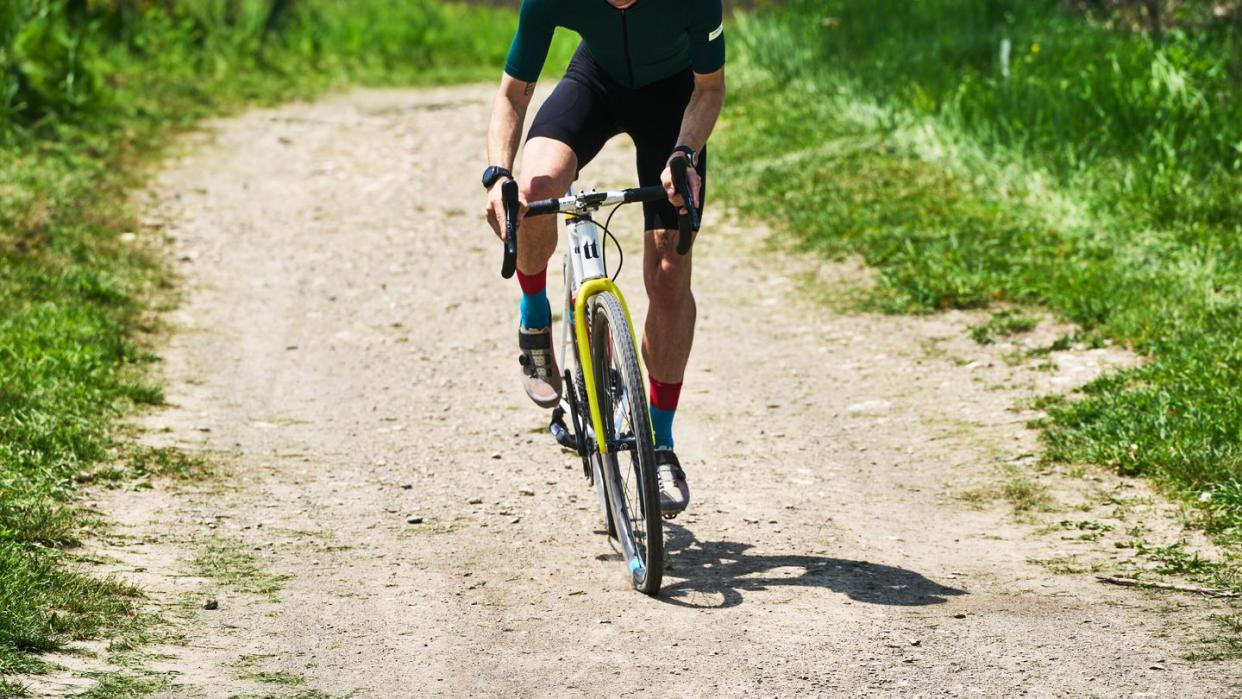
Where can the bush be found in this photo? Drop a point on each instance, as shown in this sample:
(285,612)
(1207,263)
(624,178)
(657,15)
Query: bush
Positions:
(61,60)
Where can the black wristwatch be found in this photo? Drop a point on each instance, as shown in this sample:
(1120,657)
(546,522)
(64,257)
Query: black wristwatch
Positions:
(691,154)
(493,173)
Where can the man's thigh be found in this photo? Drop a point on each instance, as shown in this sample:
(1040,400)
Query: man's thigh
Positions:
(575,114)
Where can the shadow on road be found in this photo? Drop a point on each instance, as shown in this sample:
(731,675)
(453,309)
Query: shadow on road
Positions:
(723,570)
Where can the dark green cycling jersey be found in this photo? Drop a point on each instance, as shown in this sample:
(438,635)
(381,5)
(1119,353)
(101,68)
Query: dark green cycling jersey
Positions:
(645,42)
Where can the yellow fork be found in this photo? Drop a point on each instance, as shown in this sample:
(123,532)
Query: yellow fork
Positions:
(585,292)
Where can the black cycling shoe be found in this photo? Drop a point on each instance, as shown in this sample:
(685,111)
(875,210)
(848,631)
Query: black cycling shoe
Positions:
(671,480)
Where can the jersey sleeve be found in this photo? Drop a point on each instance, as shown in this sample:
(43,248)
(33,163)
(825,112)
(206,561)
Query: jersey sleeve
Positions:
(530,44)
(707,42)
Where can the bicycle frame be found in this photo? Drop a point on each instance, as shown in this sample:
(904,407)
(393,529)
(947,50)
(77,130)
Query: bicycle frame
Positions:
(589,277)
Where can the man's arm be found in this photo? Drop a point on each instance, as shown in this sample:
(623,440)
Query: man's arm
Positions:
(508,115)
(504,135)
(526,56)
(703,110)
(696,126)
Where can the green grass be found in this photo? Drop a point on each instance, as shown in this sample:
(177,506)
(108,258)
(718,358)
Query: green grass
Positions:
(1003,324)
(90,93)
(286,679)
(1226,645)
(229,564)
(1099,179)
(1022,492)
(125,686)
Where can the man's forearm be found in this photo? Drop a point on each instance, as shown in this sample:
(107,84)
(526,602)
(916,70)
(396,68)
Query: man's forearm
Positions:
(508,115)
(700,116)
(504,134)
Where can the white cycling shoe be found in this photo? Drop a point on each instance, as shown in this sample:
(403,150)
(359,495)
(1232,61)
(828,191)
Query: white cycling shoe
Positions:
(540,376)
(671,480)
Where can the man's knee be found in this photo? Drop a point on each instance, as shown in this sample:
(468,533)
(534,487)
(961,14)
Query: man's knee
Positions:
(667,274)
(542,186)
(548,168)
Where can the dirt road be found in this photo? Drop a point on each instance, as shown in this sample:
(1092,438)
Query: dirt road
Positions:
(346,351)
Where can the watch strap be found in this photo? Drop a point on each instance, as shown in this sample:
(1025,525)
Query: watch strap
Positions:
(691,154)
(493,173)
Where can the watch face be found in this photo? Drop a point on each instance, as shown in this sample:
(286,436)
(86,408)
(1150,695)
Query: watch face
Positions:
(491,174)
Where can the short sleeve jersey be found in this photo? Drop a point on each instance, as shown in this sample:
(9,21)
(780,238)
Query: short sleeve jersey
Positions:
(647,41)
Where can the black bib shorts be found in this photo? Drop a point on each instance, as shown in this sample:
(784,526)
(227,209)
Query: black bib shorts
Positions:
(587,108)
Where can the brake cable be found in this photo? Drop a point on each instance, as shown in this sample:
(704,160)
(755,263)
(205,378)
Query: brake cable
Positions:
(620,251)
(604,251)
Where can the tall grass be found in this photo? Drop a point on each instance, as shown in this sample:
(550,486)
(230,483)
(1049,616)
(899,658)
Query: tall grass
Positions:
(89,91)
(77,60)
(1095,171)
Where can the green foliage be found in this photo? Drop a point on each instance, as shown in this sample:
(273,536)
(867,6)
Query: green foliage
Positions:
(88,89)
(1002,324)
(1095,171)
(73,60)
(68,366)
(43,604)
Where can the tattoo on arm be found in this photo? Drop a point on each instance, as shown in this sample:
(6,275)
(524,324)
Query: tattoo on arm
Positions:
(530,89)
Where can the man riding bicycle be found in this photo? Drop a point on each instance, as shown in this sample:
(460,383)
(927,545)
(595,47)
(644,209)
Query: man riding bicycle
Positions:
(653,69)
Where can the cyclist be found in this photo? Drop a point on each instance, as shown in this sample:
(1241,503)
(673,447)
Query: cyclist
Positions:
(652,69)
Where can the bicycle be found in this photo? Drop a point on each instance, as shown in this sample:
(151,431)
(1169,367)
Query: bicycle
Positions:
(602,370)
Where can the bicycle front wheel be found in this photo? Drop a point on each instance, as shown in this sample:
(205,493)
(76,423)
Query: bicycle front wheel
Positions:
(629,470)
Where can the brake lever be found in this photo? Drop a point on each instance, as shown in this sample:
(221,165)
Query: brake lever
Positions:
(688,222)
(509,195)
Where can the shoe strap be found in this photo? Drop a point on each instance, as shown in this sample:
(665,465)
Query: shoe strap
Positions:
(666,457)
(534,341)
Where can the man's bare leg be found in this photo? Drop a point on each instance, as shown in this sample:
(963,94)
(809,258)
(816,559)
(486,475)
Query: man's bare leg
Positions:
(669,331)
(548,168)
(667,339)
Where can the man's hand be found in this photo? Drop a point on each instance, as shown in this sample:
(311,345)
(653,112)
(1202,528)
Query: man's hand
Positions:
(666,178)
(495,211)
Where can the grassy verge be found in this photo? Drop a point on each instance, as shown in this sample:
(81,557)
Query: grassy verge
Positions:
(1091,170)
(89,92)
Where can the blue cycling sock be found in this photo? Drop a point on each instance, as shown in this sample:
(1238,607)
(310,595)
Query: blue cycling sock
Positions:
(663,401)
(662,425)
(536,311)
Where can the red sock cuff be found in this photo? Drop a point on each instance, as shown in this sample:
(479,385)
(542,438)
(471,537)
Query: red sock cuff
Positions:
(533,283)
(664,395)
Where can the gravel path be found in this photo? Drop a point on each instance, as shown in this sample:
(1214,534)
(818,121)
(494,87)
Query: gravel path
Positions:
(346,351)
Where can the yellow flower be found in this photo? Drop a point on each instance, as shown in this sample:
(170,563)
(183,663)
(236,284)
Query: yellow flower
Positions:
(1035,47)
